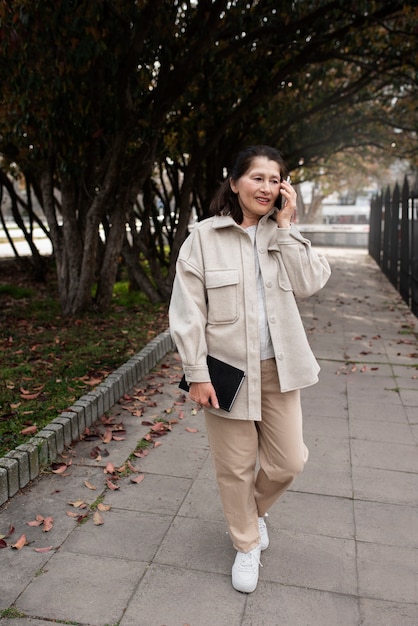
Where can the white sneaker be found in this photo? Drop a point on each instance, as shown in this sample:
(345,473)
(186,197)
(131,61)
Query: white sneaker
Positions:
(264,536)
(245,570)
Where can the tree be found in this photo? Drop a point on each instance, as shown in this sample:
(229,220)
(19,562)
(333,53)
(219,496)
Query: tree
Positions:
(97,98)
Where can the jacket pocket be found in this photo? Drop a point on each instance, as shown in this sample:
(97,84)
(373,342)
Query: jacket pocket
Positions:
(222,290)
(284,282)
(283,276)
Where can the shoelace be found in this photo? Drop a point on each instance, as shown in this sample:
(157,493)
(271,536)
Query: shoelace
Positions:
(246,561)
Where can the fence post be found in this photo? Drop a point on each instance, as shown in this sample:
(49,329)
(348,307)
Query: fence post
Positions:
(386,233)
(375,234)
(394,238)
(414,251)
(405,274)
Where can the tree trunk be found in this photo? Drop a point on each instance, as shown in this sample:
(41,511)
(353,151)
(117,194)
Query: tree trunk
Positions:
(137,275)
(110,262)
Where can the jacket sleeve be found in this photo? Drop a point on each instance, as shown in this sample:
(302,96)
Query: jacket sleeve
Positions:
(188,313)
(307,270)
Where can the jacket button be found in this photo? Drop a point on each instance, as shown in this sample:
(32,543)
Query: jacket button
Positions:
(268,283)
(273,319)
(280,356)
(261,250)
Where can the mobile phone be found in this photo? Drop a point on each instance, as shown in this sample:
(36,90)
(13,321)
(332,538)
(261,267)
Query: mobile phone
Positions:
(280,199)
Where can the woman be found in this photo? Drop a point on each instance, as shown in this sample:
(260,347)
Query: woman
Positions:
(233,298)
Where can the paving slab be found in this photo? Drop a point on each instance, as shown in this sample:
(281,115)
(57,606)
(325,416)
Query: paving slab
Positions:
(383,455)
(328,515)
(343,540)
(375,410)
(374,430)
(385,613)
(293,560)
(275,604)
(321,479)
(387,524)
(194,597)
(83,586)
(377,485)
(387,572)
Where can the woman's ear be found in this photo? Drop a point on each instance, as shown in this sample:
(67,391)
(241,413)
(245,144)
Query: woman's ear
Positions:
(233,186)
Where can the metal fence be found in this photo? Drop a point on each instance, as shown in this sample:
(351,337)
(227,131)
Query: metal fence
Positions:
(393,239)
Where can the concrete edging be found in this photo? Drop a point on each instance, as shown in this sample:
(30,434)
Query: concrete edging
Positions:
(24,464)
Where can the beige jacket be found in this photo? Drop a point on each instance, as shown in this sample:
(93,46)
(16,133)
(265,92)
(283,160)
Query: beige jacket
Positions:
(213,308)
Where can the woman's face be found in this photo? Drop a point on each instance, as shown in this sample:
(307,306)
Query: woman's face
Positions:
(258,189)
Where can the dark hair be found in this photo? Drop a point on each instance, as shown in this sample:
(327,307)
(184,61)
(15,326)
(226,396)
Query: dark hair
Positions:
(225,201)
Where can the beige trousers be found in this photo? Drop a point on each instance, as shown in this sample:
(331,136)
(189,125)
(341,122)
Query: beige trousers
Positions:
(277,443)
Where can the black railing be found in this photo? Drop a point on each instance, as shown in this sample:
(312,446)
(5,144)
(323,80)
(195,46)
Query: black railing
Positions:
(393,239)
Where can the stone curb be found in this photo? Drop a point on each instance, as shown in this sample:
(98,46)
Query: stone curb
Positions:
(24,464)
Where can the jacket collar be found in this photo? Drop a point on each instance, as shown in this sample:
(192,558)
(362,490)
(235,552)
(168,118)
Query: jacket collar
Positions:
(222,221)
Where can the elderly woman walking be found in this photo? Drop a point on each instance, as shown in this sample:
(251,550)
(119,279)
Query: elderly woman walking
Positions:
(234,298)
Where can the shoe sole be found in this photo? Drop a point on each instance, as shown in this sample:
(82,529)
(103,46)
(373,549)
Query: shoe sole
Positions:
(264,547)
(245,590)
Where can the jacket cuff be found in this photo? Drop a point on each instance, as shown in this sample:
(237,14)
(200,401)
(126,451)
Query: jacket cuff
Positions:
(196,373)
(289,235)
(284,235)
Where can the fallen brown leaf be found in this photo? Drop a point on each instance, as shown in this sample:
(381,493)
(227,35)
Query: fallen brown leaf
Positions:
(30,396)
(109,469)
(48,524)
(138,479)
(97,519)
(158,426)
(89,485)
(141,453)
(43,550)
(107,437)
(95,453)
(107,419)
(36,522)
(78,504)
(29,430)
(92,381)
(20,543)
(103,507)
(59,468)
(132,467)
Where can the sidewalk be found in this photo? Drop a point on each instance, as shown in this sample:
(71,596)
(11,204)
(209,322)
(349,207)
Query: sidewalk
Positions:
(343,541)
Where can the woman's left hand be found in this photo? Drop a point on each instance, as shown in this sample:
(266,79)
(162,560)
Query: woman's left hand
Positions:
(284,216)
(204,394)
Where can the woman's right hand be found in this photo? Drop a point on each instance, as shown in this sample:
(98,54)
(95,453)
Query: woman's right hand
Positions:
(204,394)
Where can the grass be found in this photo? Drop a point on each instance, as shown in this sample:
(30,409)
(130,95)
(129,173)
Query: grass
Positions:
(48,361)
(11,613)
